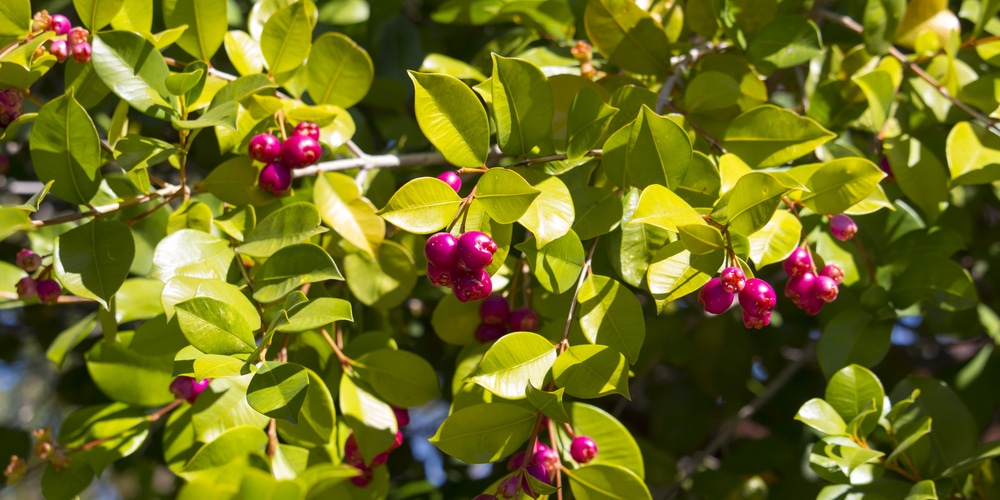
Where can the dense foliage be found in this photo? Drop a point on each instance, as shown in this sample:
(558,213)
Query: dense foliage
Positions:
(348,248)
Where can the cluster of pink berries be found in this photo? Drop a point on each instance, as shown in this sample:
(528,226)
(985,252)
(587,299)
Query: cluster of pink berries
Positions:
(543,463)
(460,263)
(10,105)
(75,42)
(188,388)
(47,290)
(354,458)
(808,289)
(757,298)
(496,317)
(300,150)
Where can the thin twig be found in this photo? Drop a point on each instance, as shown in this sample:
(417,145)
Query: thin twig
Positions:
(170,190)
(564,343)
(345,362)
(593,153)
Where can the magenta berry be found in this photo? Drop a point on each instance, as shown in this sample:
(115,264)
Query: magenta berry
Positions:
(757,297)
(546,457)
(494,310)
(714,297)
(472,284)
(352,453)
(60,24)
(27,287)
(824,288)
(402,416)
(308,129)
(60,49)
(441,250)
(264,148)
(885,166)
(756,321)
(28,260)
(48,291)
(451,179)
(798,262)
(82,52)
(733,279)
(362,479)
(476,249)
(516,461)
(440,276)
(187,388)
(10,105)
(583,449)
(799,285)
(522,320)
(485,496)
(398,441)
(509,486)
(537,471)
(488,333)
(843,227)
(811,304)
(275,178)
(300,151)
(77,36)
(834,272)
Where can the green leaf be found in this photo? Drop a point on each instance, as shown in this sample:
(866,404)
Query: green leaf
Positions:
(851,390)
(653,149)
(286,226)
(767,136)
(981,454)
(222,115)
(135,71)
(70,338)
(384,282)
(973,154)
(550,216)
(316,419)
(191,215)
(676,272)
(922,430)
(611,315)
(606,482)
(700,238)
(401,378)
(513,362)
(287,37)
(455,322)
(339,71)
(212,366)
(235,443)
(819,415)
(278,390)
(881,19)
(662,207)
(939,280)
(14,220)
(776,240)
(557,265)
(598,211)
(452,118)
(190,252)
(587,122)
(522,105)
(847,455)
(422,206)
(135,151)
(292,267)
(880,90)
(549,403)
(15,19)
(127,376)
(955,432)
(244,52)
(840,184)
(751,203)
(591,371)
(785,42)
(485,432)
(615,443)
(349,214)
(214,327)
(853,336)
(627,36)
(96,14)
(505,194)
(317,313)
(93,260)
(924,490)
(205,26)
(372,420)
(69,156)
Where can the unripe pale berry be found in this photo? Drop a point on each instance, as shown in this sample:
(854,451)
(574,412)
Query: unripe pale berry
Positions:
(402,416)
(472,284)
(714,297)
(758,297)
(60,24)
(522,320)
(27,287)
(756,321)
(488,333)
(452,179)
(41,21)
(60,49)
(77,36)
(798,262)
(733,279)
(583,449)
(300,151)
(476,249)
(275,178)
(82,52)
(28,260)
(799,285)
(834,272)
(824,288)
(843,227)
(494,310)
(264,148)
(188,388)
(48,291)
(308,129)
(441,250)
(440,276)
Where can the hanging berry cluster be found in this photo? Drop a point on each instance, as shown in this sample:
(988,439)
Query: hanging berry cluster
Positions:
(69,40)
(354,457)
(299,150)
(498,320)
(40,285)
(460,263)
(756,297)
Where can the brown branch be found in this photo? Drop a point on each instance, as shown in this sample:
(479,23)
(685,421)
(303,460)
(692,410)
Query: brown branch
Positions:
(593,153)
(564,343)
(345,362)
(169,190)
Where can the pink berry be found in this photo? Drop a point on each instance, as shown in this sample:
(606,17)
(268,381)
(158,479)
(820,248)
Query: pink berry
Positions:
(756,321)
(799,285)
(488,333)
(824,288)
(546,457)
(540,473)
(10,105)
(451,179)
(48,291)
(275,178)
(60,24)
(733,279)
(714,297)
(522,320)
(883,164)
(60,49)
(798,262)
(834,272)
(476,249)
(843,227)
(472,284)
(441,250)
(188,388)
(300,151)
(440,276)
(308,129)
(485,496)
(758,297)
(398,441)
(509,486)
(402,416)
(380,459)
(28,260)
(811,304)
(82,52)
(494,310)
(583,449)
(362,479)
(27,287)
(77,36)
(352,453)
(516,461)
(264,148)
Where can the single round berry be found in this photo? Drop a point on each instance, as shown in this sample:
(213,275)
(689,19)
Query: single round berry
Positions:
(308,129)
(362,479)
(352,453)
(798,262)
(811,304)
(402,416)
(60,49)
(756,321)
(834,272)
(77,36)
(48,291)
(188,388)
(843,227)
(28,260)
(452,179)
(476,249)
(275,178)
(516,461)
(60,24)
(583,449)
(537,471)
(82,52)
(824,288)
(714,297)
(472,284)
(758,297)
(733,279)
(885,166)
(10,105)
(522,320)
(264,148)
(799,285)
(441,250)
(509,486)
(546,457)
(27,287)
(494,310)
(440,276)
(488,333)
(300,151)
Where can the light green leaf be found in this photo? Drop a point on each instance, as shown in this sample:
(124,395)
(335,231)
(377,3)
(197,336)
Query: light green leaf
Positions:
(606,482)
(316,419)
(286,226)
(193,253)
(93,260)
(611,315)
(767,136)
(557,265)
(96,14)
(233,444)
(371,419)
(549,403)
(513,362)
(550,216)
(452,118)
(880,20)
(700,238)
(839,184)
(135,71)
(65,150)
(591,371)
(751,203)
(627,36)
(973,154)
(662,207)
(205,30)
(819,415)
(317,313)
(422,206)
(292,267)
(776,240)
(401,378)
(485,432)
(214,327)
(339,71)
(287,37)
(70,338)
(598,211)
(127,376)
(880,91)
(785,42)
(587,122)
(349,214)
(278,390)
(15,18)
(851,391)
(853,336)
(676,272)
(522,105)
(244,52)
(505,195)
(384,282)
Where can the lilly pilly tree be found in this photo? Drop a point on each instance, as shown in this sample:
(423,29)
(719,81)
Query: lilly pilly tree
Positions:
(286,225)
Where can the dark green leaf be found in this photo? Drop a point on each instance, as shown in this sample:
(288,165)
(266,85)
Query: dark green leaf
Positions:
(135,71)
(485,432)
(627,36)
(93,260)
(278,390)
(65,150)
(292,267)
(402,378)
